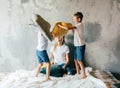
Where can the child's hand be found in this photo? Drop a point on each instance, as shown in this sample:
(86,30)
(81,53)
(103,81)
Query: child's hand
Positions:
(66,28)
(64,67)
(52,35)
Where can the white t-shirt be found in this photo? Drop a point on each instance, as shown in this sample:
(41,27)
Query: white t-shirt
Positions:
(42,42)
(59,53)
(79,35)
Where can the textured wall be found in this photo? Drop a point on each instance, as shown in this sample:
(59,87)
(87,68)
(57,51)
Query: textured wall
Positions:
(18,40)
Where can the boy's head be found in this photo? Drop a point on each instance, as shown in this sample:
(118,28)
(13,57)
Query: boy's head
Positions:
(77,17)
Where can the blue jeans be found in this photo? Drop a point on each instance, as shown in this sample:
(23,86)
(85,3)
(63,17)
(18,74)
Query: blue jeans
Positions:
(42,56)
(79,52)
(67,68)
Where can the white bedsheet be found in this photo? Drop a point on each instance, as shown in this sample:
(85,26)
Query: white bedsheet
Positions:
(26,79)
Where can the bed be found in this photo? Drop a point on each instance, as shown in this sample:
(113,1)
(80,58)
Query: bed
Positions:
(106,77)
(26,79)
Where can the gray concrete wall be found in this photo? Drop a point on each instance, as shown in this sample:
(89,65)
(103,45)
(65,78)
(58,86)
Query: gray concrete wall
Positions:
(18,40)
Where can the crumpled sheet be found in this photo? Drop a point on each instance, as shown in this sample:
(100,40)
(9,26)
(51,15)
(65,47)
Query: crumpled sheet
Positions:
(26,79)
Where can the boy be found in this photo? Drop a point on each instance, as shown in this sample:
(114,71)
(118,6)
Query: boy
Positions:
(79,42)
(41,51)
(42,54)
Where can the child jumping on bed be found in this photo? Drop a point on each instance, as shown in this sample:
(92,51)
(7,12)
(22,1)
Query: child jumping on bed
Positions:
(79,42)
(42,54)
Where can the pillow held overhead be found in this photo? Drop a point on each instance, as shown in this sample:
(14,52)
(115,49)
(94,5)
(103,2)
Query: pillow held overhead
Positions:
(59,31)
(45,26)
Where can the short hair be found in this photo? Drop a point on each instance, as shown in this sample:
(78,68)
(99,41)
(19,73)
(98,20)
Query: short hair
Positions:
(79,15)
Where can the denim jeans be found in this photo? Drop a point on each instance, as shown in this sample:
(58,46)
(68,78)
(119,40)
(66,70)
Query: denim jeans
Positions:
(67,68)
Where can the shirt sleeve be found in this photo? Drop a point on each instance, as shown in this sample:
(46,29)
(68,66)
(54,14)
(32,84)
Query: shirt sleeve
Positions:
(79,26)
(67,49)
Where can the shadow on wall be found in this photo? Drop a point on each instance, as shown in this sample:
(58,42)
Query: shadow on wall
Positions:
(117,48)
(24,1)
(69,42)
(118,4)
(92,32)
(116,52)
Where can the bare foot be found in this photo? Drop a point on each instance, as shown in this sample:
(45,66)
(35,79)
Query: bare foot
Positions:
(36,75)
(77,74)
(84,76)
(47,79)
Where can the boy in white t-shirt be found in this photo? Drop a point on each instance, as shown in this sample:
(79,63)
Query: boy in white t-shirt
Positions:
(42,54)
(79,42)
(59,53)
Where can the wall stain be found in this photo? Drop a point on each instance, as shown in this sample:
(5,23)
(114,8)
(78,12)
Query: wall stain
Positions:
(92,3)
(117,48)
(92,32)
(116,52)
(118,4)
(70,0)
(77,1)
(24,1)
(118,1)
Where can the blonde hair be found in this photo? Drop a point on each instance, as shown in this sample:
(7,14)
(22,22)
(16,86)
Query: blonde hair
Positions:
(55,45)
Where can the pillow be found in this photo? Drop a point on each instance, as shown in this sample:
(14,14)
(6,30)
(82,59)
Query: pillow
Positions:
(58,31)
(55,71)
(44,25)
